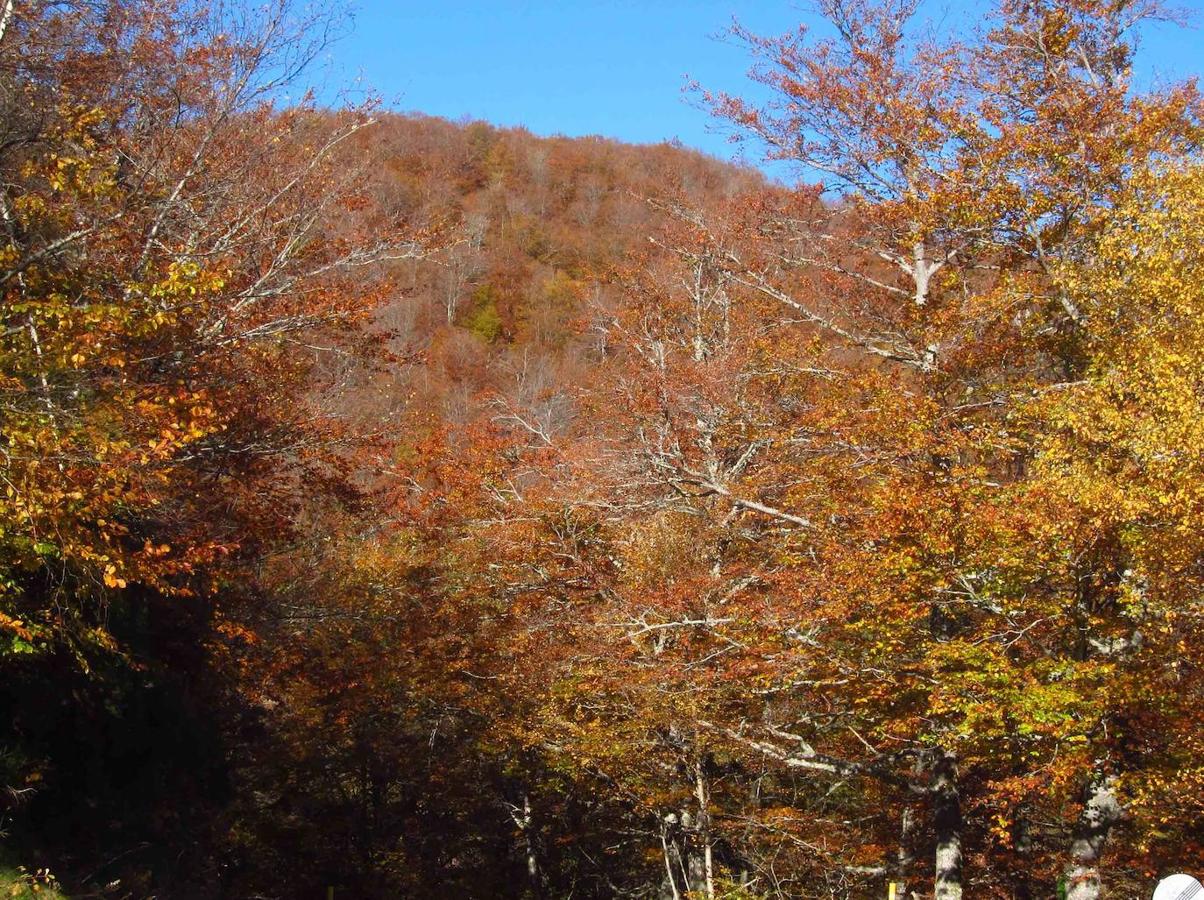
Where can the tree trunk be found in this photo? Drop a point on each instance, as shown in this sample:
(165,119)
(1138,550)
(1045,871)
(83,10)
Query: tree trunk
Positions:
(524,820)
(6,14)
(905,857)
(1101,811)
(704,830)
(688,860)
(947,822)
(673,868)
(533,876)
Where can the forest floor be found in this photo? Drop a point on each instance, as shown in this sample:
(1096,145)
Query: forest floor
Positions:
(18,883)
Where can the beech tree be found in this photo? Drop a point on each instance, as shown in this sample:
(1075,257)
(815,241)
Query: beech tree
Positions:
(974,170)
(1133,411)
(179,253)
(171,237)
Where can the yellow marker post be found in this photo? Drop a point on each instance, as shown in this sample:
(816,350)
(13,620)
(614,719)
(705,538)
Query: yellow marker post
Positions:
(892,892)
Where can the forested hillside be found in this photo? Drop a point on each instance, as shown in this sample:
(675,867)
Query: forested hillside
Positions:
(409,508)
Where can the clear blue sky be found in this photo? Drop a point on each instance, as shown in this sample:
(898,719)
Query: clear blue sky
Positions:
(609,67)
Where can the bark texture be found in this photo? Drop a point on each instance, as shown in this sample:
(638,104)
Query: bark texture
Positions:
(1101,811)
(947,823)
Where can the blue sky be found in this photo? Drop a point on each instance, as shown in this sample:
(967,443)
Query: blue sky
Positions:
(609,67)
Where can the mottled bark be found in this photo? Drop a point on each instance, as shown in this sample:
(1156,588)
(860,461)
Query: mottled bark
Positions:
(905,857)
(1022,841)
(686,860)
(702,792)
(947,824)
(1101,811)
(523,818)
(6,14)
(669,889)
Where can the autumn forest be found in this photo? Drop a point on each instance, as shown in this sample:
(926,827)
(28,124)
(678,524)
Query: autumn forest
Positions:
(400,508)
